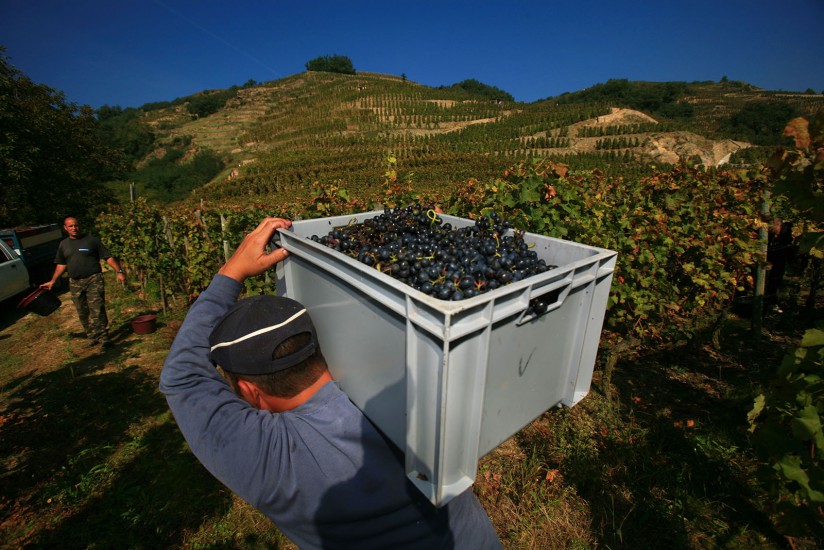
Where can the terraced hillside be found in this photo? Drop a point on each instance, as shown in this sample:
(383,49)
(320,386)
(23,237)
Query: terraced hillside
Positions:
(714,102)
(283,135)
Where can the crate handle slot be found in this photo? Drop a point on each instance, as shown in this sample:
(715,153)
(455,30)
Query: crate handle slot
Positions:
(545,299)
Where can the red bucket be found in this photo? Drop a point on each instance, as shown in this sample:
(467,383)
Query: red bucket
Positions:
(144,324)
(42,301)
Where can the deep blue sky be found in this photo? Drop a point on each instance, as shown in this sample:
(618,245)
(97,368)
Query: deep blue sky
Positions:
(130,52)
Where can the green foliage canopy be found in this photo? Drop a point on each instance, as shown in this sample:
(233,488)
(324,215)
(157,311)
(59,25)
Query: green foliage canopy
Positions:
(123,130)
(761,122)
(683,237)
(209,103)
(476,87)
(331,64)
(789,436)
(661,98)
(168,179)
(52,162)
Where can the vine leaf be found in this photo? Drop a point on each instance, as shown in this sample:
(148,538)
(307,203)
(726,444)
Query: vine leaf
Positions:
(790,468)
(813,338)
(807,426)
(799,129)
(529,195)
(758,406)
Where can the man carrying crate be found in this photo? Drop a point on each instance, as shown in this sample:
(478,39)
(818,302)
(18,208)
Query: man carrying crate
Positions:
(280,433)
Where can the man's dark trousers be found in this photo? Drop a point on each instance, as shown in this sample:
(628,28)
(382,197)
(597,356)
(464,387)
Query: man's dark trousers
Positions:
(89,299)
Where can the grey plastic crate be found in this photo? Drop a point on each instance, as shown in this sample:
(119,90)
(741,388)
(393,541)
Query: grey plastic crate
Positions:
(448,382)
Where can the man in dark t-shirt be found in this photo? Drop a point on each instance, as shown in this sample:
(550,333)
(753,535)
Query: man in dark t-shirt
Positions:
(80,255)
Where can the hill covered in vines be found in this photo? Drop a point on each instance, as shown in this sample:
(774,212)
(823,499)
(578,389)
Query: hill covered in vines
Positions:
(279,137)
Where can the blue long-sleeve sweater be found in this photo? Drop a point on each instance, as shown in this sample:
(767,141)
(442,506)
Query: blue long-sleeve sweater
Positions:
(321,472)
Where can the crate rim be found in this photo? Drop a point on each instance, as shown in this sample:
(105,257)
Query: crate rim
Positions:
(447,307)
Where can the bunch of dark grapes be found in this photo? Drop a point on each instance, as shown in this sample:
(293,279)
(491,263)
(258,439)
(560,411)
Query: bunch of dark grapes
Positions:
(414,245)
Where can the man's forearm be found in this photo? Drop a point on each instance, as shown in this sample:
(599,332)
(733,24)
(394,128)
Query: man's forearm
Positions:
(59,269)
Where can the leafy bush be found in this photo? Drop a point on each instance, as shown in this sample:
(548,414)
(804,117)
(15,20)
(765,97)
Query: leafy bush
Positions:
(166,179)
(475,87)
(209,103)
(760,122)
(786,421)
(52,160)
(798,176)
(684,237)
(124,130)
(331,64)
(798,172)
(157,105)
(661,98)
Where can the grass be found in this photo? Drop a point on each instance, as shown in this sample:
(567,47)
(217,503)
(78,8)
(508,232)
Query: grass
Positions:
(660,460)
(91,457)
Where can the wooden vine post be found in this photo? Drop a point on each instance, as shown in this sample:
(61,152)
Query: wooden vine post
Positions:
(226,251)
(168,231)
(162,294)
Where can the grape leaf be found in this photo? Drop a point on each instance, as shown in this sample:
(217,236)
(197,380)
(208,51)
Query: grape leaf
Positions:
(799,129)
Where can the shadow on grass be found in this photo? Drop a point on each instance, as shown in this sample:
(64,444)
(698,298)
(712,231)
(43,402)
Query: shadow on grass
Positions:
(153,502)
(92,447)
(11,314)
(669,464)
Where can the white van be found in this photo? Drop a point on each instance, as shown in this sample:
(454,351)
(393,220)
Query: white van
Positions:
(14,277)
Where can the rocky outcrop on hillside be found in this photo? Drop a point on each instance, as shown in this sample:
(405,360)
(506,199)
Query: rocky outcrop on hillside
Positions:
(672,147)
(662,147)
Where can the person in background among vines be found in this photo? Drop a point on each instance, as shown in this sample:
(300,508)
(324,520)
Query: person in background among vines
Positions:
(80,255)
(779,252)
(281,434)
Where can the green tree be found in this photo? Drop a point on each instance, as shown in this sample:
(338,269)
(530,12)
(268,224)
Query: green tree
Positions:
(474,86)
(209,103)
(52,161)
(124,130)
(761,122)
(661,98)
(331,64)
(168,179)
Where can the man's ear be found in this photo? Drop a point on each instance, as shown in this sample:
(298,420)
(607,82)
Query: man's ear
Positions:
(250,393)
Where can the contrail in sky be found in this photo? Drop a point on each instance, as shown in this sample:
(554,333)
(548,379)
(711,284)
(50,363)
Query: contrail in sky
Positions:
(219,39)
